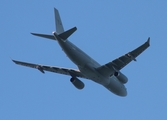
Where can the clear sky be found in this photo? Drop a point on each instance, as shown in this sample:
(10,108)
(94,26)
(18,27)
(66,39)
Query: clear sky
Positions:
(106,30)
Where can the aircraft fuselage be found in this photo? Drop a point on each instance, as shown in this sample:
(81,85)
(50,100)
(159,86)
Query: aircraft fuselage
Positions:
(108,75)
(88,66)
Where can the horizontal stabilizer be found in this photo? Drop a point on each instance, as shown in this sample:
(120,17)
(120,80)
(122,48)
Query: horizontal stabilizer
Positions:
(67,33)
(44,36)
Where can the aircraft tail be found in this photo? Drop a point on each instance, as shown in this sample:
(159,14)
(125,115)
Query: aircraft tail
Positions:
(58,23)
(67,33)
(44,36)
(60,34)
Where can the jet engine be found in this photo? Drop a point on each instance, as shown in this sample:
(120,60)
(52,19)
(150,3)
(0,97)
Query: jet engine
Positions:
(121,77)
(77,83)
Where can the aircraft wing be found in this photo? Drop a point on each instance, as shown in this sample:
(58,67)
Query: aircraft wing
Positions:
(42,68)
(122,61)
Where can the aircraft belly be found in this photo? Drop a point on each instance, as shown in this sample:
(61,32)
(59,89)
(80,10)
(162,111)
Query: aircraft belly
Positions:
(93,74)
(77,56)
(87,67)
(71,52)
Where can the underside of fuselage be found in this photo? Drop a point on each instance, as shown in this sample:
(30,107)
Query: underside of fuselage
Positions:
(87,67)
(116,87)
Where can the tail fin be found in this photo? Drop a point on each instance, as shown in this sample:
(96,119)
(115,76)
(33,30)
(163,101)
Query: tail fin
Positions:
(58,23)
(60,34)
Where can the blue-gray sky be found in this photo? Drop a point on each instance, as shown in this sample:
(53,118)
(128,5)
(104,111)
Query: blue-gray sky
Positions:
(106,30)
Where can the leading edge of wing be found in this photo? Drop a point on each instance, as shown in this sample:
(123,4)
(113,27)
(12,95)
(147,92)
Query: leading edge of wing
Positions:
(42,68)
(122,61)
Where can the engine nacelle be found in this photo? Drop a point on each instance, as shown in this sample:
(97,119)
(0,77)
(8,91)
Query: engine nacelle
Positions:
(77,83)
(121,77)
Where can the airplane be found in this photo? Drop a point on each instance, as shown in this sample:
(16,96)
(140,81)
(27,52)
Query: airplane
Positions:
(107,75)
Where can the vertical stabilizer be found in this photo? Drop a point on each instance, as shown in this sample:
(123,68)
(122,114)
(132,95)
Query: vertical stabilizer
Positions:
(58,23)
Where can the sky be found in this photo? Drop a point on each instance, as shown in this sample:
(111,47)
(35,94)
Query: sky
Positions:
(106,30)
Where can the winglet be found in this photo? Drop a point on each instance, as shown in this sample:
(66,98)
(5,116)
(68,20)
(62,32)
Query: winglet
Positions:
(16,62)
(148,41)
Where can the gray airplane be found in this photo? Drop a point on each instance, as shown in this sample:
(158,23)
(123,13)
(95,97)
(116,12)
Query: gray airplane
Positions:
(108,75)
